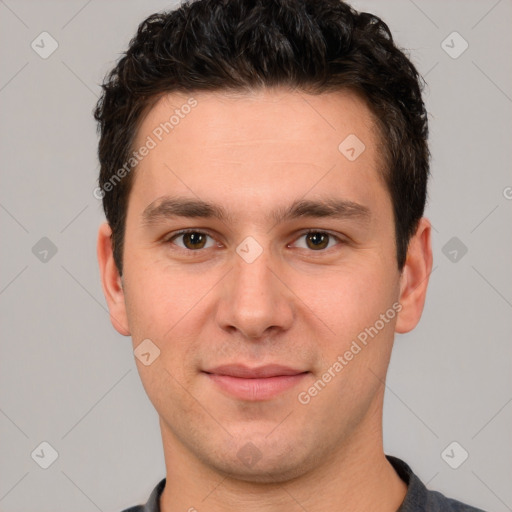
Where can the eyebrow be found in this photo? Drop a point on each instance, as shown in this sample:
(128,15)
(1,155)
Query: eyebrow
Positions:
(167,207)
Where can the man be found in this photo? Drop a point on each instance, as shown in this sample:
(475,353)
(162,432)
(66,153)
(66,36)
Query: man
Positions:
(264,173)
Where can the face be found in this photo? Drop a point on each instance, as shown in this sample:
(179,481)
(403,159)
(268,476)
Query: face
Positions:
(274,313)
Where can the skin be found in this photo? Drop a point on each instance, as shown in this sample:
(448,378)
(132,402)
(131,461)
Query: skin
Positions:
(294,305)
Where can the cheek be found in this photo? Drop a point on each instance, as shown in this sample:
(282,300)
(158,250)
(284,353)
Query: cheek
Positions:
(171,308)
(161,308)
(360,339)
(158,297)
(352,298)
(357,349)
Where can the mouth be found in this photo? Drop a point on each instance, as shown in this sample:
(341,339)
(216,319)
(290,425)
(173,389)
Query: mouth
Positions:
(255,384)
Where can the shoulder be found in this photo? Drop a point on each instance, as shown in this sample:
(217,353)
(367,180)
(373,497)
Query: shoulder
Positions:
(421,499)
(438,502)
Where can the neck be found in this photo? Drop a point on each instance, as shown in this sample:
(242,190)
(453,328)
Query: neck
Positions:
(357,477)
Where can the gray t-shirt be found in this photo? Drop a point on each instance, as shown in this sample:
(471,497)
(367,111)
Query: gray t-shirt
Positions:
(417,499)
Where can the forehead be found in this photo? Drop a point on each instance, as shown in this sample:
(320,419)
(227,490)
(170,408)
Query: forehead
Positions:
(207,118)
(260,144)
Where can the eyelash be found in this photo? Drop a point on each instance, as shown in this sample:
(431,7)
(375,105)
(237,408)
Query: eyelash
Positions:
(173,236)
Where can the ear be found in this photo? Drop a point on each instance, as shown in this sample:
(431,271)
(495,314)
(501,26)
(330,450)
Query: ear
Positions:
(111,281)
(415,277)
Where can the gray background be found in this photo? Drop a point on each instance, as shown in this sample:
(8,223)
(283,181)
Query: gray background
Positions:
(69,379)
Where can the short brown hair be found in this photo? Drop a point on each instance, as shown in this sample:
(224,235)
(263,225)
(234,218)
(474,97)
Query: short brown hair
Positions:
(312,46)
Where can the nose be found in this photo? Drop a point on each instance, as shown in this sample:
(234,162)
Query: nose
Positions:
(255,301)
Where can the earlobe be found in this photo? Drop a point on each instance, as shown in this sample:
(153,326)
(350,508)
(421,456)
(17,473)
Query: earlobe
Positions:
(111,281)
(415,277)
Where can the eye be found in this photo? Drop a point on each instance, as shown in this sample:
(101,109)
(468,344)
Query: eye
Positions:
(192,240)
(316,240)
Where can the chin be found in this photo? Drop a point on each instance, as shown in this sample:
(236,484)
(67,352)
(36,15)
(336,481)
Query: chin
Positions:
(263,462)
(271,472)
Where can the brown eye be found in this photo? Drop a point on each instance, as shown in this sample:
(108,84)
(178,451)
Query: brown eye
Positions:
(317,240)
(192,240)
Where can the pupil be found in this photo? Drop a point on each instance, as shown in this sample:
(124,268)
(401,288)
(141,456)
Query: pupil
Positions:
(194,239)
(318,239)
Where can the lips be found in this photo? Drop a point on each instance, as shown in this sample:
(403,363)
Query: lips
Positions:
(261,372)
(254,384)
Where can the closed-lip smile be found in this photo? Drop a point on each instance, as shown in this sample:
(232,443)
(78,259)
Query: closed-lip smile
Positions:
(255,383)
